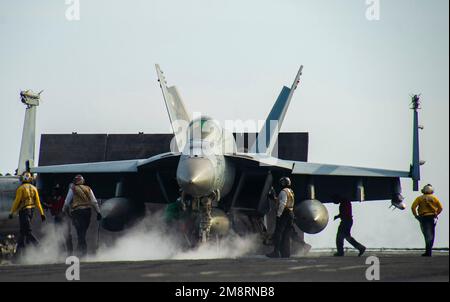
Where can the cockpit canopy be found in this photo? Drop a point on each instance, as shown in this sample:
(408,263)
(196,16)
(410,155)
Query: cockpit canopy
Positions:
(204,128)
(205,136)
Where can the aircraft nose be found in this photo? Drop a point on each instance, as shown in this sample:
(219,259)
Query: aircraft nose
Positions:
(195,176)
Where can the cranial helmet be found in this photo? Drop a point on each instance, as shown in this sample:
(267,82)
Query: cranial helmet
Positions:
(285,182)
(26,177)
(78,180)
(428,189)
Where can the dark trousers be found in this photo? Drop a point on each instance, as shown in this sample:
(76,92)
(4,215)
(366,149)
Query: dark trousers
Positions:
(344,232)
(81,220)
(26,236)
(428,229)
(283,233)
(61,222)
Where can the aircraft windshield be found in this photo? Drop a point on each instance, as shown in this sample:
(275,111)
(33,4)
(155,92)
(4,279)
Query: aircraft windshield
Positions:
(203,128)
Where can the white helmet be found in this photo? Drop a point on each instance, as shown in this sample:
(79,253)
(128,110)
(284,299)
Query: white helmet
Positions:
(428,189)
(26,177)
(285,182)
(78,180)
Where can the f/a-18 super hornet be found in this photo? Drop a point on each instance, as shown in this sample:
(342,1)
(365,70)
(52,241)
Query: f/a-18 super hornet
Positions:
(205,172)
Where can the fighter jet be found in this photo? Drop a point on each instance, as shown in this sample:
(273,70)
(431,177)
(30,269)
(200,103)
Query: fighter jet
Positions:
(205,171)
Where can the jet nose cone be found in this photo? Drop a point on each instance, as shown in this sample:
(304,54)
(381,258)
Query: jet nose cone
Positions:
(195,176)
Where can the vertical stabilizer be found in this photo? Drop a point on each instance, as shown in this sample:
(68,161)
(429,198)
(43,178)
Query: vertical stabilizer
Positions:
(268,135)
(176,109)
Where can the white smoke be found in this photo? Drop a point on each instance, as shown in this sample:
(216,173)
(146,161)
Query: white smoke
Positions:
(150,239)
(50,249)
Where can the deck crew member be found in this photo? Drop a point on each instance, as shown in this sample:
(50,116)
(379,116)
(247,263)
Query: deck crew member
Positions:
(344,230)
(285,221)
(27,198)
(426,208)
(79,201)
(55,204)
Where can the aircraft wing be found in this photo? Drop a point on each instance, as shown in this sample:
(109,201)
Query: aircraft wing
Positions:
(98,167)
(305,168)
(121,166)
(329,182)
(148,180)
(333,182)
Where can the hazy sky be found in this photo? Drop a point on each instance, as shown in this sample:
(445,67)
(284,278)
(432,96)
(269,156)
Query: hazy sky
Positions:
(230,59)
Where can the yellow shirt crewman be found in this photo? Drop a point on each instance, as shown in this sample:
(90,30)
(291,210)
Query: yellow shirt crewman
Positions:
(426,208)
(27,198)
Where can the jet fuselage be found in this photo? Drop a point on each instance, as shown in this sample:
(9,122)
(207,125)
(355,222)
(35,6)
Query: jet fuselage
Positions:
(203,169)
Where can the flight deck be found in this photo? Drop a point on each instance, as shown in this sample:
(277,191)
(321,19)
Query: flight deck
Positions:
(398,266)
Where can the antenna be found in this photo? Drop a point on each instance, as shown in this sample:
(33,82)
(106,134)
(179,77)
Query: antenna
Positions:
(416,162)
(27,147)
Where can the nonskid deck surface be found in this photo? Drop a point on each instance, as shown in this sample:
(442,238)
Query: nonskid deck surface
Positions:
(316,267)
